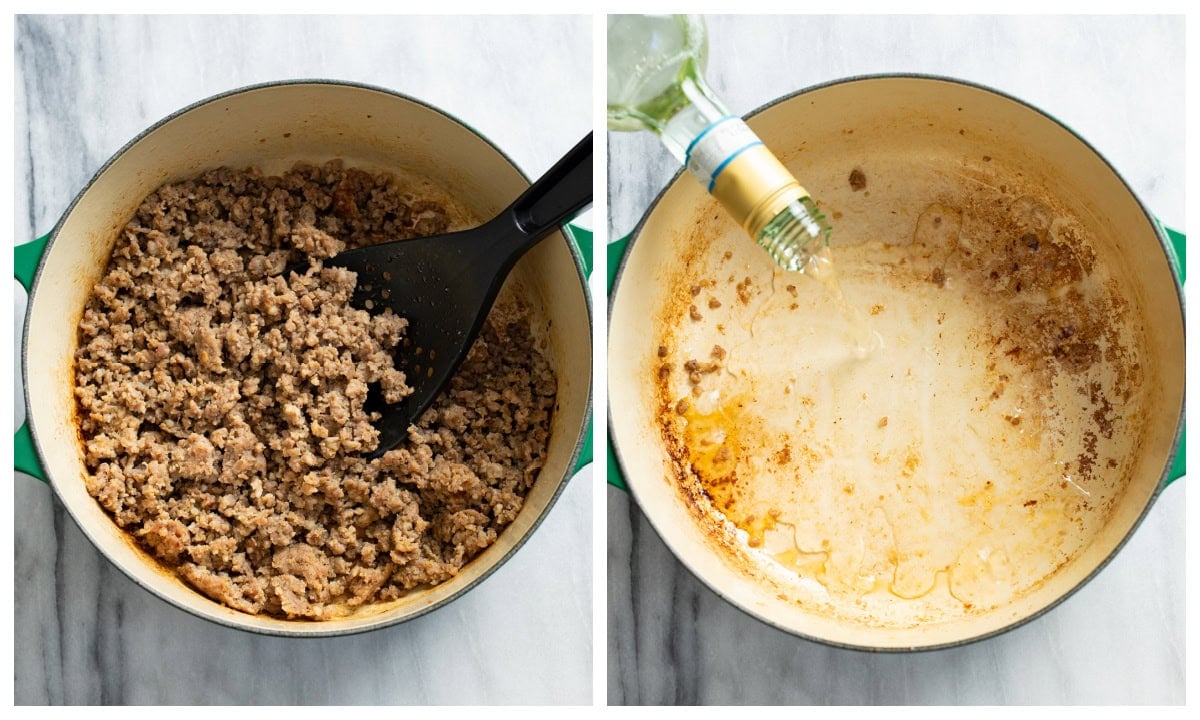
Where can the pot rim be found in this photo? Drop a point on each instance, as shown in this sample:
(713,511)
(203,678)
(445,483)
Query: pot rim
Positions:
(1164,246)
(383,620)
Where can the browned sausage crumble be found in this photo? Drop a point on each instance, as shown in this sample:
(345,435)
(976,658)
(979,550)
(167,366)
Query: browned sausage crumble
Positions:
(858,179)
(220,399)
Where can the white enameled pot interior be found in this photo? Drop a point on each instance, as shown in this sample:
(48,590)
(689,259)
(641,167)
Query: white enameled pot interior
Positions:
(273,127)
(939,129)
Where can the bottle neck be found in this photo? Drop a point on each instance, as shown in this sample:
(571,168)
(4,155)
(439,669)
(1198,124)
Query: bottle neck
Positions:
(702,109)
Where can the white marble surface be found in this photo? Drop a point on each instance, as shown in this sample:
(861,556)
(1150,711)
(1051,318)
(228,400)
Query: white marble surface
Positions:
(1118,81)
(84,632)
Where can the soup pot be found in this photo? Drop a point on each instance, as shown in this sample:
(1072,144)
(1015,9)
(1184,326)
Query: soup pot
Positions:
(888,157)
(273,126)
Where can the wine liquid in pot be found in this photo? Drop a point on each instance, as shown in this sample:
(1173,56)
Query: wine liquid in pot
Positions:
(930,432)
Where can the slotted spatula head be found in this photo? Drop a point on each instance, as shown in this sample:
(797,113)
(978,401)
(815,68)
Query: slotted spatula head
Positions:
(446,284)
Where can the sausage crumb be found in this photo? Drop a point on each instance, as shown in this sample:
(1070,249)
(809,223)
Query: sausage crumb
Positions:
(703,368)
(682,406)
(662,351)
(694,314)
(713,303)
(744,291)
(858,180)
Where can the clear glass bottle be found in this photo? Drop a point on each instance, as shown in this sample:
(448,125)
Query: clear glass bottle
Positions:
(656,82)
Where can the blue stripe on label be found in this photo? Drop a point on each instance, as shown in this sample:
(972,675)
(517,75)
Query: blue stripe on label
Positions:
(687,154)
(728,160)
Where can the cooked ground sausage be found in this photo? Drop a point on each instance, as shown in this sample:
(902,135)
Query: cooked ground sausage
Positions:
(220,399)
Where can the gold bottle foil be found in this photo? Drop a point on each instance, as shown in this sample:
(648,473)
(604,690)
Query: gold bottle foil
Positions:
(755,187)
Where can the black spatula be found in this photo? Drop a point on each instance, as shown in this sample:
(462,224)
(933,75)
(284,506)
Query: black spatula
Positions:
(446,284)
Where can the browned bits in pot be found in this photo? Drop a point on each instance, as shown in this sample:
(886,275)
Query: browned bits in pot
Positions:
(713,303)
(718,352)
(728,255)
(876,309)
(792,291)
(744,291)
(662,351)
(682,406)
(704,368)
(694,314)
(664,370)
(883,421)
(695,290)
(1102,415)
(938,277)
(697,370)
(858,180)
(227,436)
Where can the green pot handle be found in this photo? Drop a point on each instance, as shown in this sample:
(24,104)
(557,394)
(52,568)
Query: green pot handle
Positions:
(583,240)
(25,265)
(29,256)
(1176,252)
(616,251)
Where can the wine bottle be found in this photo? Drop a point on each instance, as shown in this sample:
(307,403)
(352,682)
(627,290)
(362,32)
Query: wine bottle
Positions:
(656,82)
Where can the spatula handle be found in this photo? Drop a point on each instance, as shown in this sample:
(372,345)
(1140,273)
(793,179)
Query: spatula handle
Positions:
(557,196)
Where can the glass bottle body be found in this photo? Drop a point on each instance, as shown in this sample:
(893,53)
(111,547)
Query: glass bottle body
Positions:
(656,83)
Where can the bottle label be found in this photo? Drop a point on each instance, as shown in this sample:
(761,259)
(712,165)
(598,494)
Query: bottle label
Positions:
(717,146)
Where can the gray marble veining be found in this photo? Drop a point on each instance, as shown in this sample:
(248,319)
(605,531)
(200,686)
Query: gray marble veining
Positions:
(1117,81)
(84,632)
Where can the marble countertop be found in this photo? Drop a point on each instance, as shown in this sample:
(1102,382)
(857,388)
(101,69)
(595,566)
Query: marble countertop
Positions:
(87,634)
(1117,81)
